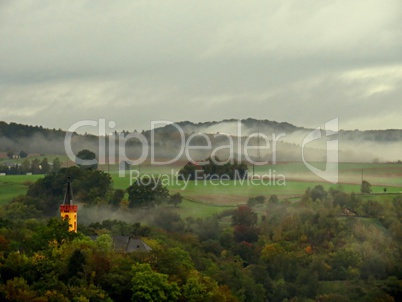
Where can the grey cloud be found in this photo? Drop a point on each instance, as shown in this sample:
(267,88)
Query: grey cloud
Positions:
(134,62)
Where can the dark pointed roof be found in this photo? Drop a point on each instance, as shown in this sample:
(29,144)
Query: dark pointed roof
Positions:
(68,197)
(128,244)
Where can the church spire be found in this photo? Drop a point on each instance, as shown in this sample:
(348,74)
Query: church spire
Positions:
(68,197)
(68,210)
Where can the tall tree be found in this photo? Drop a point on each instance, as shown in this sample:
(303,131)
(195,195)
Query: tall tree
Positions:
(45,167)
(116,198)
(25,166)
(56,165)
(365,187)
(35,166)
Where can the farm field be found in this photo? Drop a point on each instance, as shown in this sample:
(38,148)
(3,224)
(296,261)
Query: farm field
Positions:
(287,180)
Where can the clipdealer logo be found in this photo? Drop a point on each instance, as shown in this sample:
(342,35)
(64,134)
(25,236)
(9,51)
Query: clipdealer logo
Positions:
(114,147)
(330,173)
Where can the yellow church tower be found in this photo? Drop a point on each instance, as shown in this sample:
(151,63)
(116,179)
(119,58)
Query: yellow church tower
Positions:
(68,210)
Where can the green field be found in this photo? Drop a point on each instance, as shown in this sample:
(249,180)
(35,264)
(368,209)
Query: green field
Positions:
(14,185)
(287,180)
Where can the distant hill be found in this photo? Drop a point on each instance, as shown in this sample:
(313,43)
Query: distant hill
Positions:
(36,139)
(355,145)
(249,125)
(268,127)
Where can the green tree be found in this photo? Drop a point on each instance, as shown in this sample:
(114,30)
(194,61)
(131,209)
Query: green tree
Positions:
(86,159)
(175,262)
(148,285)
(175,199)
(213,168)
(373,208)
(90,186)
(35,166)
(117,197)
(318,192)
(200,288)
(365,187)
(75,267)
(145,192)
(20,209)
(23,154)
(25,166)
(45,167)
(56,230)
(56,165)
(240,282)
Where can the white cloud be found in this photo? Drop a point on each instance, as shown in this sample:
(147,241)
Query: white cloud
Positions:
(303,28)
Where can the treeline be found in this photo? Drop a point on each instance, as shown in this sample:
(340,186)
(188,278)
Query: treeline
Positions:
(305,251)
(214,168)
(14,130)
(90,187)
(35,166)
(44,262)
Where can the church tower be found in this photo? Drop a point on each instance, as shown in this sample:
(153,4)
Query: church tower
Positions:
(68,210)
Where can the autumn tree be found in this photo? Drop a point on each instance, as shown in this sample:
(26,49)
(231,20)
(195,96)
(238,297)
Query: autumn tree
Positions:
(244,215)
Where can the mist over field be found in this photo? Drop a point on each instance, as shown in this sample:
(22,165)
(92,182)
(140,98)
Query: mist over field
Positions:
(278,142)
(97,214)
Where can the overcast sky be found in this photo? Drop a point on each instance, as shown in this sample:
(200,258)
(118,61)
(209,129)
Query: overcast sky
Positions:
(299,61)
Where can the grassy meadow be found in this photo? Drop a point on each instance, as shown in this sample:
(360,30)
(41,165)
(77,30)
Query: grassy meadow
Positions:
(287,180)
(204,198)
(14,185)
